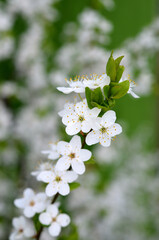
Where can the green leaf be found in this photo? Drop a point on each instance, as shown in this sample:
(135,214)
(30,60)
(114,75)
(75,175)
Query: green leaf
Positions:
(106,90)
(117,61)
(119,73)
(94,97)
(88,93)
(111,68)
(97,95)
(118,90)
(74,185)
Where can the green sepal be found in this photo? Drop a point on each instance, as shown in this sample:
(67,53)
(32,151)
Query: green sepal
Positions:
(117,61)
(111,68)
(90,161)
(118,90)
(88,93)
(119,73)
(111,102)
(103,107)
(74,185)
(106,90)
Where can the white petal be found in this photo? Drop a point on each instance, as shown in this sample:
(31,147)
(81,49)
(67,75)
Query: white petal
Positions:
(133,94)
(52,210)
(29,231)
(20,203)
(69,117)
(86,126)
(75,142)
(63,148)
(63,163)
(40,207)
(69,176)
(29,212)
(114,130)
(51,189)
(45,218)
(54,229)
(40,197)
(46,176)
(63,219)
(18,222)
(64,188)
(85,155)
(80,108)
(97,123)
(78,166)
(109,118)
(105,140)
(65,90)
(92,137)
(94,112)
(73,128)
(28,193)
(79,90)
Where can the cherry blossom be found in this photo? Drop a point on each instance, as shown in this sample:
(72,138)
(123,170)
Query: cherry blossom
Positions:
(55,219)
(23,228)
(95,81)
(32,203)
(57,181)
(104,129)
(80,118)
(72,155)
(79,84)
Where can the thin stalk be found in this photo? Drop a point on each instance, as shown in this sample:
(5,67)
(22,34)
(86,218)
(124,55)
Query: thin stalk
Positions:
(80,96)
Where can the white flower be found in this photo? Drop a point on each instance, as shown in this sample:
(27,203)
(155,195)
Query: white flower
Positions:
(67,107)
(96,81)
(132,85)
(104,129)
(57,181)
(80,117)
(72,155)
(54,219)
(52,154)
(23,228)
(80,83)
(74,86)
(32,203)
(42,167)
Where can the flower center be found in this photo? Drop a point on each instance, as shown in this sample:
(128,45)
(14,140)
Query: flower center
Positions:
(20,230)
(32,203)
(81,118)
(54,219)
(103,130)
(58,179)
(72,155)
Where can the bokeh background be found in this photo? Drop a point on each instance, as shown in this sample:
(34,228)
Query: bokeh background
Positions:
(42,42)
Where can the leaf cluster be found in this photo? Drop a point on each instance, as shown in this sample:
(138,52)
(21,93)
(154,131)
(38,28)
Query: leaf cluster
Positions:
(104,99)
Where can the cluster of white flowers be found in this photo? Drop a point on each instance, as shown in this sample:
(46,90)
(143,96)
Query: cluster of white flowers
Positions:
(69,157)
